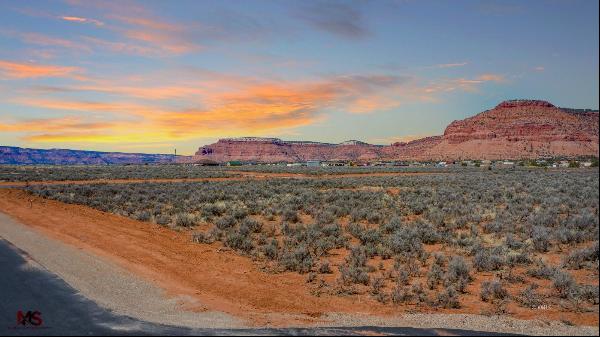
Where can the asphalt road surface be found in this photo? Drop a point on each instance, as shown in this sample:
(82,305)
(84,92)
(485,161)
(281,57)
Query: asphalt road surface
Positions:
(26,286)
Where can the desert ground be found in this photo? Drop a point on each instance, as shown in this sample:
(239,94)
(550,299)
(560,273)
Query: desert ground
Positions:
(513,251)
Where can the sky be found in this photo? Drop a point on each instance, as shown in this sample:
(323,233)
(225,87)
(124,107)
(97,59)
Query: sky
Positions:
(155,76)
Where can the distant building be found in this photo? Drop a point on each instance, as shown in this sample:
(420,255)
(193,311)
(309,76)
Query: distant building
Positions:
(313,163)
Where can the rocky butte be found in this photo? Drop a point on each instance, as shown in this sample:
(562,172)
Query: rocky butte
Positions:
(514,129)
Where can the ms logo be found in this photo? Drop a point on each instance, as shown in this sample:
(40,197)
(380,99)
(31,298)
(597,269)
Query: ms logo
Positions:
(29,318)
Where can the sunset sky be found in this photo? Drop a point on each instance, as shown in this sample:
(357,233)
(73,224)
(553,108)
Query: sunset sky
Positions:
(151,76)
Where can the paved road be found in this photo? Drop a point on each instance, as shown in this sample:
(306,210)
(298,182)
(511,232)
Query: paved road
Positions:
(24,285)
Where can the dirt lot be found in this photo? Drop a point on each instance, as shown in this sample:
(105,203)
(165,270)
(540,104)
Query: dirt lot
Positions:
(220,279)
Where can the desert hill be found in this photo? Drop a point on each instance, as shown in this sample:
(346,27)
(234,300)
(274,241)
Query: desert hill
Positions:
(515,129)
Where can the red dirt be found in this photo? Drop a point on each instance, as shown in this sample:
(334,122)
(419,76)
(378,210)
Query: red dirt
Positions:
(220,279)
(239,175)
(113,181)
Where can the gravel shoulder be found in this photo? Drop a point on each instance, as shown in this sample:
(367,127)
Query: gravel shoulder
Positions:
(109,285)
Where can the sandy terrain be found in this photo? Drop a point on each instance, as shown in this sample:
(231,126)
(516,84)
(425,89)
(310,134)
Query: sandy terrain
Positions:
(217,280)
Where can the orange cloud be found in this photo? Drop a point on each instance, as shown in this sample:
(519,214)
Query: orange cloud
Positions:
(125,109)
(372,103)
(82,20)
(204,104)
(16,70)
(491,78)
(122,47)
(464,84)
(171,43)
(62,123)
(48,41)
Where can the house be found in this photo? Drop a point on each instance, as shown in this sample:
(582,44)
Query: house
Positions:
(313,163)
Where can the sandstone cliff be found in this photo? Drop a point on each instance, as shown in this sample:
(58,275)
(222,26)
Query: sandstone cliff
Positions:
(515,129)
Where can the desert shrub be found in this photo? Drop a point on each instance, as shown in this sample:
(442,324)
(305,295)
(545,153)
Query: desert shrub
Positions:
(566,235)
(439,259)
(458,274)
(376,285)
(212,210)
(290,215)
(419,293)
(514,259)
(162,219)
(271,249)
(239,213)
(239,242)
(492,290)
(297,259)
(225,222)
(324,268)
(366,236)
(428,234)
(325,217)
(581,258)
(434,276)
(185,220)
(143,215)
(405,241)
(202,238)
(401,294)
(253,225)
(530,298)
(541,239)
(448,298)
(542,271)
(355,269)
(391,226)
(588,293)
(488,260)
(512,242)
(564,284)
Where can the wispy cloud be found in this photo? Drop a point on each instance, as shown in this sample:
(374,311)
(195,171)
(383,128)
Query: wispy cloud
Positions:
(133,29)
(450,65)
(462,84)
(78,19)
(40,39)
(335,17)
(18,70)
(209,104)
(64,124)
(137,23)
